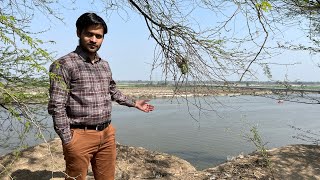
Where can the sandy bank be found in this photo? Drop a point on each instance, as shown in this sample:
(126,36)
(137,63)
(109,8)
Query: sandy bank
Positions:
(134,163)
(169,92)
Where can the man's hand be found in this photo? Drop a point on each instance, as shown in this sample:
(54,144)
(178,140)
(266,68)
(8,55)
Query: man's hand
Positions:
(144,106)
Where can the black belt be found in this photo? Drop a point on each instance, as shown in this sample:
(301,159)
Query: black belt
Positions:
(99,127)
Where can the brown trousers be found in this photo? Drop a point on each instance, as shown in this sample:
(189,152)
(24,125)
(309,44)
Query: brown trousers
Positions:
(91,146)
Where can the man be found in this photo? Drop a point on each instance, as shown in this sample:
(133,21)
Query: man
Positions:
(81,91)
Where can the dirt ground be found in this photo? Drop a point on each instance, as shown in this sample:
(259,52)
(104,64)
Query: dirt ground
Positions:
(135,163)
(289,162)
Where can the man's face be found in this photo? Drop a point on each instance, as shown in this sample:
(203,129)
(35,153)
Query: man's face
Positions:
(91,38)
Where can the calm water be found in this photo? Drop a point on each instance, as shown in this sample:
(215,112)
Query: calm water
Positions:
(217,135)
(208,138)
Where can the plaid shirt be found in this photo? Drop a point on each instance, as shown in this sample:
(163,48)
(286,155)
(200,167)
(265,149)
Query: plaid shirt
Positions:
(81,92)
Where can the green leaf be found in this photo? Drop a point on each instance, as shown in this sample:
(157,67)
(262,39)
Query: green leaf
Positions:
(265,6)
(184,68)
(27,125)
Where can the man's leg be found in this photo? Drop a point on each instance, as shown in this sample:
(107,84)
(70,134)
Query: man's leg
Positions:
(104,161)
(78,153)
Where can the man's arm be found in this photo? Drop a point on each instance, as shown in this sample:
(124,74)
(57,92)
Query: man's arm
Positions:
(143,105)
(59,88)
(117,96)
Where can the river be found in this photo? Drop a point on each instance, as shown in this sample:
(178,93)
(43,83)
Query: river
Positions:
(216,133)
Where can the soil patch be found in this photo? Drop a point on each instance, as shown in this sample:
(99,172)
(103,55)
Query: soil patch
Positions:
(136,163)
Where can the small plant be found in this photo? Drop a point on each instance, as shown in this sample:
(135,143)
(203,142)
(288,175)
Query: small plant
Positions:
(256,139)
(259,144)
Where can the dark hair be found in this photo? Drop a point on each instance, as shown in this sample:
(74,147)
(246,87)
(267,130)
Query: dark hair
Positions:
(88,19)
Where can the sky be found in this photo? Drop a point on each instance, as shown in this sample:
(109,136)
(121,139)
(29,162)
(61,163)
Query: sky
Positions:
(126,46)
(129,49)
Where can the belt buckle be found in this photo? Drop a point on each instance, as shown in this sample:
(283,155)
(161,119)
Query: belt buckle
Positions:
(100,127)
(97,128)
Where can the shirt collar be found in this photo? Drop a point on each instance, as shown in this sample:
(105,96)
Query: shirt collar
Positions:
(79,50)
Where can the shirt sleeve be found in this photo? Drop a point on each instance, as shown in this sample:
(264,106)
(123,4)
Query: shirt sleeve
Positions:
(120,98)
(59,88)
